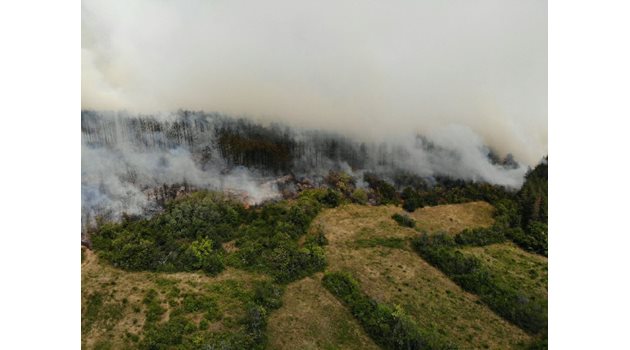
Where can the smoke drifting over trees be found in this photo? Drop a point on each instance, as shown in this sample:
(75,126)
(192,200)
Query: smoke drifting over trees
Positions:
(378,70)
(131,162)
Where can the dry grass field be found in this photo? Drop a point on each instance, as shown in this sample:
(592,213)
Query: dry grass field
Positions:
(114,312)
(393,275)
(312,318)
(453,218)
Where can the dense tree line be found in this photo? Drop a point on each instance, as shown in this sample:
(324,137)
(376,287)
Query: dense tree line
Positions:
(272,149)
(532,199)
(255,146)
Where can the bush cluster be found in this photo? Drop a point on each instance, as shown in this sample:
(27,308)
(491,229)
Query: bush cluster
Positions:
(382,192)
(188,236)
(530,235)
(533,239)
(404,220)
(480,236)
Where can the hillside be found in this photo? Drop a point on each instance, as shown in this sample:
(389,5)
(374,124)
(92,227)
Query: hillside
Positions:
(362,240)
(118,306)
(368,243)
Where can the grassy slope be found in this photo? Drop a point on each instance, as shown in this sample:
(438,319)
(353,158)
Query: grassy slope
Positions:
(400,276)
(114,322)
(312,318)
(453,218)
(363,240)
(516,266)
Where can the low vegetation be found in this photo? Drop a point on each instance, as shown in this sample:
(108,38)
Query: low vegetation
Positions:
(520,217)
(209,272)
(523,309)
(366,242)
(189,234)
(147,310)
(404,220)
(389,326)
(312,318)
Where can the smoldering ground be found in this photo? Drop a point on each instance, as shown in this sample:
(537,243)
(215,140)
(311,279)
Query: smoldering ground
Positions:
(127,159)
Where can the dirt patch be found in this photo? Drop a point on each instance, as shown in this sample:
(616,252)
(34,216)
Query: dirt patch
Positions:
(230,247)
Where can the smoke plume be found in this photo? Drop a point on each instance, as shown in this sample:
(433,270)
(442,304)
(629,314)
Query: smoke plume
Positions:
(375,70)
(132,162)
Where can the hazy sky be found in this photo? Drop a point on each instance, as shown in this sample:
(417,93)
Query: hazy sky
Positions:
(371,68)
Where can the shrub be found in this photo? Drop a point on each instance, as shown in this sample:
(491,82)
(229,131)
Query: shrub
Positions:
(154,309)
(331,199)
(93,305)
(341,182)
(411,199)
(256,322)
(359,196)
(383,192)
(540,342)
(480,236)
(533,240)
(288,264)
(404,220)
(206,257)
(268,295)
(319,238)
(199,303)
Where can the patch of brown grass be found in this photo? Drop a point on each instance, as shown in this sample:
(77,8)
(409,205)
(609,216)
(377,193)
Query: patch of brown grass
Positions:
(230,246)
(312,318)
(453,218)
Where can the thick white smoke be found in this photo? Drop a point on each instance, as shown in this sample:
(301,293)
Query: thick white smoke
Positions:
(378,69)
(123,175)
(126,159)
(460,154)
